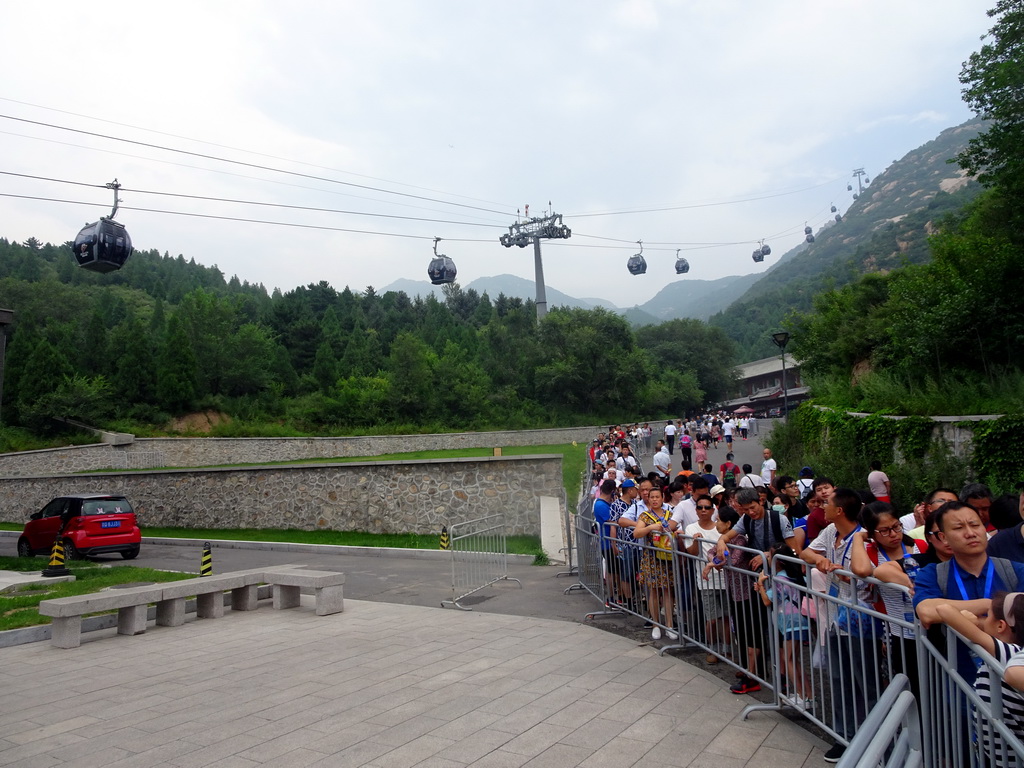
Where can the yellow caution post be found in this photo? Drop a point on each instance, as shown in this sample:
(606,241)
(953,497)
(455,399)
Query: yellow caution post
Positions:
(446,542)
(206,567)
(56,565)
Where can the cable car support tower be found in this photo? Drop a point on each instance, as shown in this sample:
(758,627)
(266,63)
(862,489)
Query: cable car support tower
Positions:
(522,233)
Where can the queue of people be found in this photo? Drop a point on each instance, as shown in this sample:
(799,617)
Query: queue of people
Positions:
(959,568)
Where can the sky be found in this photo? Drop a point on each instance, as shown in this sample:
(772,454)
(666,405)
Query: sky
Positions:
(705,126)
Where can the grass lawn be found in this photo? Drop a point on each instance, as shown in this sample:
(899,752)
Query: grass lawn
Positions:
(19,609)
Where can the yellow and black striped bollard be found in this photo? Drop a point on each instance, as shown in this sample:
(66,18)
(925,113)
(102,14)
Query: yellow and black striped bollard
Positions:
(446,542)
(206,568)
(56,566)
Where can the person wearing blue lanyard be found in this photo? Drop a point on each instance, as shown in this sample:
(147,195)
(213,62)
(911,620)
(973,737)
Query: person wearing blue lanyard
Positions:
(968,580)
(887,543)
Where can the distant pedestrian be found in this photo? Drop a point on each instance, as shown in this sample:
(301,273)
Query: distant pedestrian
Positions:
(878,483)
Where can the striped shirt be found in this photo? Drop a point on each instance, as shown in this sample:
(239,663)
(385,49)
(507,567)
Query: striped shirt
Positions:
(1013,705)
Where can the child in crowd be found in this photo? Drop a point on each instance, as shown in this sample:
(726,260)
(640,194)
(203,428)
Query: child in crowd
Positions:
(1001,634)
(793,625)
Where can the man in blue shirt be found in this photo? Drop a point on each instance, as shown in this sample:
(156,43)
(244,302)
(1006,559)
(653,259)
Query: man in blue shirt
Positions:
(605,525)
(968,580)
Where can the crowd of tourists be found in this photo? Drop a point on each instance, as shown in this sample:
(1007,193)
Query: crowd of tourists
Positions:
(684,541)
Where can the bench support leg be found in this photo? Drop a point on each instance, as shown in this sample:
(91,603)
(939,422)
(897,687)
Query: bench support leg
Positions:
(285,597)
(244,598)
(330,600)
(66,632)
(210,605)
(131,620)
(171,613)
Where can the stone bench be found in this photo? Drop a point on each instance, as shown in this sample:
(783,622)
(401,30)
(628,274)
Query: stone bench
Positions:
(132,603)
(327,586)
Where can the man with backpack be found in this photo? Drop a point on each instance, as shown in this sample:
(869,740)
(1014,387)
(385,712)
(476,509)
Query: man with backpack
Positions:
(764,530)
(968,580)
(729,472)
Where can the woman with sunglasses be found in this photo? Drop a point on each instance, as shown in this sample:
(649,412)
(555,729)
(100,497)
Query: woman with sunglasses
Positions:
(886,542)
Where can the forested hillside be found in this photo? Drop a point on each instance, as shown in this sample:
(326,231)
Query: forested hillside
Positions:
(165,336)
(887,227)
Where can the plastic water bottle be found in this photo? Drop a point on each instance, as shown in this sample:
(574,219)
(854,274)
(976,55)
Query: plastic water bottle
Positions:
(720,560)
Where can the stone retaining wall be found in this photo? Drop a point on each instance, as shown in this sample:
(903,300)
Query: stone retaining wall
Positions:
(212,451)
(388,497)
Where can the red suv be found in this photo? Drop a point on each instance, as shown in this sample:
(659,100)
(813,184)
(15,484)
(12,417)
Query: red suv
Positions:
(88,524)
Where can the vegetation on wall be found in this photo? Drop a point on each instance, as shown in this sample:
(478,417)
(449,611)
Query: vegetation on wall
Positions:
(912,451)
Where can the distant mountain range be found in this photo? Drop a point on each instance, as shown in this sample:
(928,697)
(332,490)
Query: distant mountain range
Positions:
(683,298)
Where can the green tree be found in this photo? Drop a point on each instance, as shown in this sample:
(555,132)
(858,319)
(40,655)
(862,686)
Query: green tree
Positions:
(410,366)
(694,347)
(325,367)
(993,80)
(588,363)
(133,378)
(176,368)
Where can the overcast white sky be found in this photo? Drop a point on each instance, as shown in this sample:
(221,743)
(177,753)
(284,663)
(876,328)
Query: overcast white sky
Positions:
(482,107)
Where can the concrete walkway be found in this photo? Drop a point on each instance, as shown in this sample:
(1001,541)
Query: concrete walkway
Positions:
(378,685)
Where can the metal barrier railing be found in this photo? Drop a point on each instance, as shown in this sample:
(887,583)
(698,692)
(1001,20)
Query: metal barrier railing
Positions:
(479,557)
(960,727)
(869,677)
(891,734)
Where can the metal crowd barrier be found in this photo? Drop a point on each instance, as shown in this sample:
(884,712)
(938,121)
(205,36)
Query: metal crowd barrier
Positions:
(960,728)
(479,557)
(880,677)
(891,735)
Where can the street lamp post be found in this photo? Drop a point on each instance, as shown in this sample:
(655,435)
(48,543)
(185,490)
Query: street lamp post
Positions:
(781,339)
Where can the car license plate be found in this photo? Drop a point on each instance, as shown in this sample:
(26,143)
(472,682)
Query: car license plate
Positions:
(110,524)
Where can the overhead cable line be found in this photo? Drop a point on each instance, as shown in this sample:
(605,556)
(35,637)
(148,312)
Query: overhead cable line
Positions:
(701,205)
(245,220)
(251,165)
(239,149)
(222,172)
(254,202)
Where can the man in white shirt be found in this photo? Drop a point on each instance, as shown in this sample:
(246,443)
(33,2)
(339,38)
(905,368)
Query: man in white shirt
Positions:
(727,430)
(662,461)
(768,467)
(670,436)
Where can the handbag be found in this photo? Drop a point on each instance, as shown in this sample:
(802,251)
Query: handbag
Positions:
(661,541)
(663,544)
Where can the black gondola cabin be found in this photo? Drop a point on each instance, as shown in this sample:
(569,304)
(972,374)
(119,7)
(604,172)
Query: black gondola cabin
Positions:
(103,246)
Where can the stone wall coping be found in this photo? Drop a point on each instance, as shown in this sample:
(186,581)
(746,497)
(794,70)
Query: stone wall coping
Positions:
(291,465)
(417,436)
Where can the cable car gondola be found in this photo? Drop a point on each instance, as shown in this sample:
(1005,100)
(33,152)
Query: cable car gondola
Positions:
(442,269)
(834,209)
(637,264)
(104,245)
(682,265)
(765,250)
(809,234)
(839,218)
(757,256)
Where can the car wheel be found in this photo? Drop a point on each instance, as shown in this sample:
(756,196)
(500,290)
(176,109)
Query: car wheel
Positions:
(70,553)
(130,554)
(24,550)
